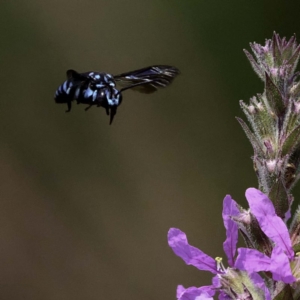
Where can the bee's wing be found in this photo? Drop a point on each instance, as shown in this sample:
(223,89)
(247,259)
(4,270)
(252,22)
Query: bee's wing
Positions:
(147,80)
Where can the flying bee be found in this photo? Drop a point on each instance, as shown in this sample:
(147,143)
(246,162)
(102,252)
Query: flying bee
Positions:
(100,89)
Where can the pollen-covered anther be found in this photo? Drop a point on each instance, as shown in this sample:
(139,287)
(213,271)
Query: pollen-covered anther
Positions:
(220,265)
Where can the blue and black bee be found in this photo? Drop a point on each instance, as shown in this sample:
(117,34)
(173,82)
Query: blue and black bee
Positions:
(99,89)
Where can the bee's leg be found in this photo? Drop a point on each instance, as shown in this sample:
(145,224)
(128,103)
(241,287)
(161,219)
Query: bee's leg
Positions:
(87,108)
(107,110)
(69,106)
(113,111)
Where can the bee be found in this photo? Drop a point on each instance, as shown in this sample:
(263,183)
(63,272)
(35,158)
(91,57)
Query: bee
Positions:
(100,89)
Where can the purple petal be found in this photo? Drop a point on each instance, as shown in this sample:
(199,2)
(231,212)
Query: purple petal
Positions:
(280,266)
(252,260)
(180,290)
(208,289)
(192,256)
(193,293)
(230,209)
(223,296)
(287,215)
(216,282)
(259,283)
(273,226)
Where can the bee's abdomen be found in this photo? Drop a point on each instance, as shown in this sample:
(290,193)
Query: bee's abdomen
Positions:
(65,92)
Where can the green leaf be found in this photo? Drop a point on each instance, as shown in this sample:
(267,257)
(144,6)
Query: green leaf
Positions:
(274,96)
(248,285)
(295,227)
(288,49)
(293,61)
(265,123)
(253,140)
(255,65)
(295,89)
(285,294)
(296,248)
(279,196)
(276,50)
(291,142)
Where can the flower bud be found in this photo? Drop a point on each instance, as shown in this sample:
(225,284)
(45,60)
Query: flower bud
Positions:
(297,107)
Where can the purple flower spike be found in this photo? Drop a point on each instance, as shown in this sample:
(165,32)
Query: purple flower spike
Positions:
(273,226)
(192,256)
(193,293)
(230,209)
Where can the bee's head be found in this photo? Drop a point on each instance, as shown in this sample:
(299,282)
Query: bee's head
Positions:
(113,96)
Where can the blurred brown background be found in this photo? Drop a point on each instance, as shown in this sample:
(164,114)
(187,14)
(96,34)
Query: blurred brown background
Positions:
(85,207)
